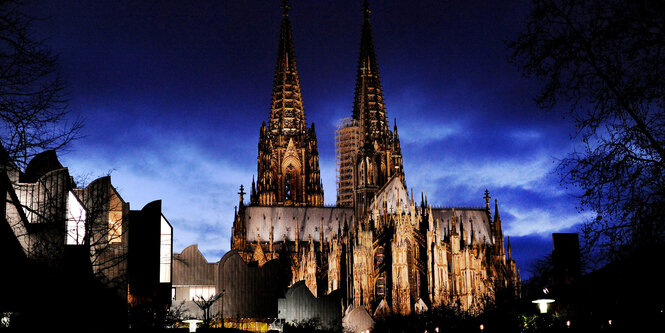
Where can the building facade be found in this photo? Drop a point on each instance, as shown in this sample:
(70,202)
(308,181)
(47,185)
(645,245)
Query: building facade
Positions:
(384,250)
(79,242)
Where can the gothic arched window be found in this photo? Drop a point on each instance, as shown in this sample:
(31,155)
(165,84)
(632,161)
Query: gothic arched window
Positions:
(291,183)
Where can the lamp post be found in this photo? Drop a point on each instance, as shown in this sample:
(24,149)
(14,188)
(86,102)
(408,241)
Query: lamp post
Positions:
(543,301)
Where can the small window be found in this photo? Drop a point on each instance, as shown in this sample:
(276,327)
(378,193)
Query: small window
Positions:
(165,251)
(115,227)
(76,215)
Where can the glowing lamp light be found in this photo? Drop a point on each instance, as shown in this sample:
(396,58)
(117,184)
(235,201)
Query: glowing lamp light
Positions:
(482,327)
(192,324)
(542,304)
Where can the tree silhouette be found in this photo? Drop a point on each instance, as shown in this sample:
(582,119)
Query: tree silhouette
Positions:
(603,63)
(33,108)
(205,304)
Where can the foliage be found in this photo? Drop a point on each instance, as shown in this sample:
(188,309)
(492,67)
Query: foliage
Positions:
(502,316)
(175,315)
(603,63)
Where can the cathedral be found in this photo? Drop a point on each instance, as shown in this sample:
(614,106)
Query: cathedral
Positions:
(381,248)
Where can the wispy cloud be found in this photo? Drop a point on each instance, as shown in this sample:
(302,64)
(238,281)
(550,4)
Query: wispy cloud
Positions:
(541,221)
(198,189)
(526,134)
(526,173)
(420,133)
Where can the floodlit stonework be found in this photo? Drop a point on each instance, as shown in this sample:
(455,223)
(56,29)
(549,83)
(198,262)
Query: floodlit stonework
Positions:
(386,251)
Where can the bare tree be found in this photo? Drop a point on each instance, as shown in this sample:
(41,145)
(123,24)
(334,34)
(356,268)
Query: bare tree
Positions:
(205,304)
(603,63)
(33,108)
(175,315)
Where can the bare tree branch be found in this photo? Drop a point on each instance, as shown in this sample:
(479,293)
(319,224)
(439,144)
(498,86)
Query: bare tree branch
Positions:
(603,63)
(33,108)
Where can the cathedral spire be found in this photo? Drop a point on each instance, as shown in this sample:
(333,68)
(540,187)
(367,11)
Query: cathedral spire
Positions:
(498,230)
(366,9)
(368,106)
(285,7)
(287,114)
(396,144)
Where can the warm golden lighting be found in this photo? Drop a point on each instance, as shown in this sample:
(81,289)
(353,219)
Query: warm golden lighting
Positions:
(115,227)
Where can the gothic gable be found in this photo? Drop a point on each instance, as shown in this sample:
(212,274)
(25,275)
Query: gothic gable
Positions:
(392,194)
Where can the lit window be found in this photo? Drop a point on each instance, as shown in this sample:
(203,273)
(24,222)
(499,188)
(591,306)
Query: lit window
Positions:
(205,292)
(115,226)
(165,251)
(75,221)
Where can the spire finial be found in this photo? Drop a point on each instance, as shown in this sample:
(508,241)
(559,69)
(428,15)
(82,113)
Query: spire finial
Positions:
(285,7)
(366,9)
(242,194)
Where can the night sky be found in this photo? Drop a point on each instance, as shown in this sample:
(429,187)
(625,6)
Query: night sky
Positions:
(173,94)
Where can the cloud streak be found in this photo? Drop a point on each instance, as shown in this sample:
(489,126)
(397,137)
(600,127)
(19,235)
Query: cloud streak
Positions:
(538,221)
(197,188)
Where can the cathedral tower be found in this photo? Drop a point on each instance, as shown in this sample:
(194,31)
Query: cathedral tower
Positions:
(288,159)
(374,152)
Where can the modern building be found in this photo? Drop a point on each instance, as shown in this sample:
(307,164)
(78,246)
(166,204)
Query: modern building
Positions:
(66,244)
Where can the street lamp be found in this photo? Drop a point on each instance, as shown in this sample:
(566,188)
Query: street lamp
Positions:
(542,302)
(192,324)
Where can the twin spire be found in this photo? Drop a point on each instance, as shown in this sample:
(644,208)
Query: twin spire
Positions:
(287,115)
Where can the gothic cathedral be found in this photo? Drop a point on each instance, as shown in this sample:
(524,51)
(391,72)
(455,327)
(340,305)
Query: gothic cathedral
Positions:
(382,249)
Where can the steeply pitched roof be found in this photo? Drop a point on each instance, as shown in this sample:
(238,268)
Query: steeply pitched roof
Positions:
(285,219)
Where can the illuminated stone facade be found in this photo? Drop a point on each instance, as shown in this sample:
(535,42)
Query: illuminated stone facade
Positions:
(288,160)
(382,249)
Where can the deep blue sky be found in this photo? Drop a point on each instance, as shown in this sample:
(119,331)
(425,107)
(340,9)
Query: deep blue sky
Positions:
(173,94)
